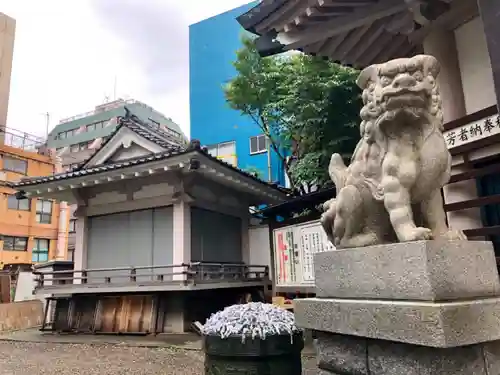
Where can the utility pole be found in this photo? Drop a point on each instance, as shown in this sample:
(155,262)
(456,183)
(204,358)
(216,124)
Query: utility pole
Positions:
(47,124)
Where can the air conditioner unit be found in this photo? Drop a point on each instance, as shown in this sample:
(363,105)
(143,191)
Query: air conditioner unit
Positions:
(3,176)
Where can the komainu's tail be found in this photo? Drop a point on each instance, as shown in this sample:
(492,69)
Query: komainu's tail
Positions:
(337,171)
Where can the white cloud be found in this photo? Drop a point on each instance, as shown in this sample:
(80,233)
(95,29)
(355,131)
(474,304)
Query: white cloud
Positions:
(68,53)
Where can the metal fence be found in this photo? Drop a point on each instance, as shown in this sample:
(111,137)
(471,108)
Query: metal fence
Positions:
(19,139)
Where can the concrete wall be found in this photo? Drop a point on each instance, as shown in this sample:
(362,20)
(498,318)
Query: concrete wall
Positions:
(260,248)
(20,315)
(7,35)
(212,49)
(475,66)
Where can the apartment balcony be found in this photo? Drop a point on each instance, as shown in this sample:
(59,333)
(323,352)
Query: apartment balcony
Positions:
(22,140)
(193,276)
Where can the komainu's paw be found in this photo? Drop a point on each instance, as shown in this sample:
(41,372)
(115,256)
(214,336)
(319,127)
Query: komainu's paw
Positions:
(417,234)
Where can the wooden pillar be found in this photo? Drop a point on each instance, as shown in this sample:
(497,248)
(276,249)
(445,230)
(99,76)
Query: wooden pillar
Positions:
(245,238)
(80,255)
(441,44)
(182,236)
(490,15)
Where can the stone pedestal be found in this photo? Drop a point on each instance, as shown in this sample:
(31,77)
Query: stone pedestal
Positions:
(426,307)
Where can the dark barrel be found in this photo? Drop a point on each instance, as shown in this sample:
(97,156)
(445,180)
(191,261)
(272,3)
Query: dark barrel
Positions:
(276,355)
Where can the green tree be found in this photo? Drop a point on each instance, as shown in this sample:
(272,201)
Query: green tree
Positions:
(307,106)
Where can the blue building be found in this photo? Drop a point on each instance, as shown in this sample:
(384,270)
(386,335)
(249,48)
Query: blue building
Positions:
(227,133)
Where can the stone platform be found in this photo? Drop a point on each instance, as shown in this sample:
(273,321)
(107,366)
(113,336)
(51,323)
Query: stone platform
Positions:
(421,308)
(441,325)
(422,270)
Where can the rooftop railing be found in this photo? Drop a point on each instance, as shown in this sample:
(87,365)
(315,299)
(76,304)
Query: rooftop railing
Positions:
(188,274)
(100,108)
(19,139)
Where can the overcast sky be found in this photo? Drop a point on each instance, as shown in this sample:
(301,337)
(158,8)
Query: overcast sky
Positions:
(68,52)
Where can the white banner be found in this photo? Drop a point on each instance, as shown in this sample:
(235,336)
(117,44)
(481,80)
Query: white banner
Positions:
(472,132)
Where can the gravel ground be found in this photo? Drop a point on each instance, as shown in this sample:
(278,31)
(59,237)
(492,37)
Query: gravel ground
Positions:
(23,358)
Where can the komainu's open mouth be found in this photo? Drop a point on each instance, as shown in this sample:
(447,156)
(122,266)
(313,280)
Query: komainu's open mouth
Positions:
(405,99)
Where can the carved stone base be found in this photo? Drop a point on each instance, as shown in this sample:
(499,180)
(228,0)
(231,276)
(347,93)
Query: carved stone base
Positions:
(351,355)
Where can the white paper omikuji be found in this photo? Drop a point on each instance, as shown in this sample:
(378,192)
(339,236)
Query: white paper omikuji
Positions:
(251,320)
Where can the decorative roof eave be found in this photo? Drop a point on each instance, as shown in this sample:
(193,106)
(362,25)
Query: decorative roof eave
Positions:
(333,26)
(259,13)
(58,186)
(356,33)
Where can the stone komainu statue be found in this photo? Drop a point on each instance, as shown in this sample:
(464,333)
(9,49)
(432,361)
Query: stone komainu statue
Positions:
(391,191)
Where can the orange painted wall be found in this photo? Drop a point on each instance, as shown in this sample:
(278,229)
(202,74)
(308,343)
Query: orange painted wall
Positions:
(23,223)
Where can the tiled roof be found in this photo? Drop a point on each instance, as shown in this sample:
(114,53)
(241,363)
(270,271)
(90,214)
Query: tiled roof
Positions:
(6,183)
(152,134)
(79,172)
(144,129)
(173,151)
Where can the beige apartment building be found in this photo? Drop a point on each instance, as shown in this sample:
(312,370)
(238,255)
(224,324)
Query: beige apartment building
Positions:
(7,32)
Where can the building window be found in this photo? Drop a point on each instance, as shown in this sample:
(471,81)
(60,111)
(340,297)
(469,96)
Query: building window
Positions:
(15,165)
(43,211)
(258,144)
(72,226)
(84,146)
(18,204)
(75,148)
(225,151)
(40,251)
(91,127)
(15,243)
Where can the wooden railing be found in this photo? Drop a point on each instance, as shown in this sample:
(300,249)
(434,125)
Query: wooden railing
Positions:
(192,273)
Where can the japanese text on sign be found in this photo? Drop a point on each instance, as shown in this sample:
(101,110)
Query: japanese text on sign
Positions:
(472,132)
